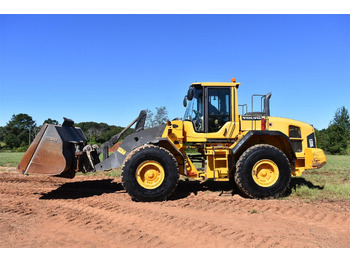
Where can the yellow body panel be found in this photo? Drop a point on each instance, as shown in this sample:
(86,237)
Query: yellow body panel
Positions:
(250,124)
(175,133)
(308,158)
(227,131)
(282,124)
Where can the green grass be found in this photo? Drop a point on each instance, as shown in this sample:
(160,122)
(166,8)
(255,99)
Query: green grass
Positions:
(112,173)
(10,159)
(332,181)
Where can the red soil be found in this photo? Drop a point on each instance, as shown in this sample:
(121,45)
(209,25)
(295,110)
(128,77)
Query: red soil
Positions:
(95,211)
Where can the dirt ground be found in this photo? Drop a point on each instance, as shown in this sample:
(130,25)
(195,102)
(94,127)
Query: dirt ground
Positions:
(90,211)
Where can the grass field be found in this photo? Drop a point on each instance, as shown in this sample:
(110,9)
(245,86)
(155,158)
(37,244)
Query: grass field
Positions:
(10,159)
(330,182)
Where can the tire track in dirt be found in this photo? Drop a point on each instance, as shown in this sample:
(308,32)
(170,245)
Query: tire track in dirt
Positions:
(292,208)
(96,212)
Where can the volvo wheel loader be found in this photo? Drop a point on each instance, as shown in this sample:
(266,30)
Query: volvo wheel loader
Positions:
(256,151)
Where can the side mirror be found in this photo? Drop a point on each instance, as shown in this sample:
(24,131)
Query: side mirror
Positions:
(190,94)
(185,101)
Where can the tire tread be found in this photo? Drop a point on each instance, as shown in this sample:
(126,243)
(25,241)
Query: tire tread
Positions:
(140,149)
(240,164)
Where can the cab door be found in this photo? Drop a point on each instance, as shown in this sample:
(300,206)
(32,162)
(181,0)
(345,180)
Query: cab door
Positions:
(218,123)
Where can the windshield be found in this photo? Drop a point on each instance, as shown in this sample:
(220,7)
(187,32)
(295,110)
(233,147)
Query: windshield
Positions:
(194,110)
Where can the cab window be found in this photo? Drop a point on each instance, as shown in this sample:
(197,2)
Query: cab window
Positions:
(194,111)
(218,108)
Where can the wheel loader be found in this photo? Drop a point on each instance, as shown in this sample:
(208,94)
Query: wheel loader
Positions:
(254,150)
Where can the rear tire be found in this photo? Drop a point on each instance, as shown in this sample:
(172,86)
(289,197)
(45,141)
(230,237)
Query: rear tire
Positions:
(263,171)
(150,173)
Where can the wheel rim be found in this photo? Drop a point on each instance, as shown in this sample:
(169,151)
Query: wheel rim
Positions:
(150,174)
(265,173)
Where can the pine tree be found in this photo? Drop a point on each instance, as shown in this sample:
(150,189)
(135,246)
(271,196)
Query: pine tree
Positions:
(337,135)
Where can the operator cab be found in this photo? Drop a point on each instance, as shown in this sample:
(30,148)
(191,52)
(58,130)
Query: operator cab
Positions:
(209,106)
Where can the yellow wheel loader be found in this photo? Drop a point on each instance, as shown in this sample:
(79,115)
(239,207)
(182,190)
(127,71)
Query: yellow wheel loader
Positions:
(256,151)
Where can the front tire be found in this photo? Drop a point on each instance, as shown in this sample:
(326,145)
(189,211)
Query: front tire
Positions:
(150,173)
(263,171)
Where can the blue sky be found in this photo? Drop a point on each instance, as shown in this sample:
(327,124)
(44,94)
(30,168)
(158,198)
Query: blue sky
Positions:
(106,68)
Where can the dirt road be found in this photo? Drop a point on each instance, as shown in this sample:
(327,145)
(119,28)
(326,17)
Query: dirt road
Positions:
(43,211)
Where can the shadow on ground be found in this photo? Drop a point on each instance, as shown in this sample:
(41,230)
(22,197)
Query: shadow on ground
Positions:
(297,182)
(83,189)
(186,188)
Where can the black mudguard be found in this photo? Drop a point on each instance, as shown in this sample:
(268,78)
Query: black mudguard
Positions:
(285,142)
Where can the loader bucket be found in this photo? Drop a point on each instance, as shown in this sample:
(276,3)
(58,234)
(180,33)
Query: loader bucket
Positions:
(53,150)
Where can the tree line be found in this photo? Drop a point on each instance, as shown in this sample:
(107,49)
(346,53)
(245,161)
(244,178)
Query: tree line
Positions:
(20,131)
(335,139)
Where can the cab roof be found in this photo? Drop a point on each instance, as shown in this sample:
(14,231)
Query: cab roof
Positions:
(235,84)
